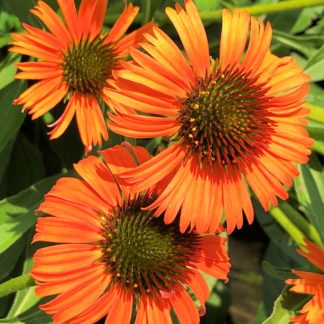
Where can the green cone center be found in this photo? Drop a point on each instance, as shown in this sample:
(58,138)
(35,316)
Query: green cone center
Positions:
(87,66)
(224,117)
(144,253)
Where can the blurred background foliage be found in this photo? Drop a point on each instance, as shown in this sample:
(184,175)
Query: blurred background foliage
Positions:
(262,254)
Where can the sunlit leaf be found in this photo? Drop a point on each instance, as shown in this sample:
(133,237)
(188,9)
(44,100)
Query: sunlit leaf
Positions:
(315,65)
(17,212)
(285,306)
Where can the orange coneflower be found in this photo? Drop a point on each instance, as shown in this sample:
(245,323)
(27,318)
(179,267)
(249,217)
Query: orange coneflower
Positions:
(312,284)
(113,255)
(75,60)
(232,122)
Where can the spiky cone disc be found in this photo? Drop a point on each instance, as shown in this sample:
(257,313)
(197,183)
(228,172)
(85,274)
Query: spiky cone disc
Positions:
(74,64)
(110,254)
(234,122)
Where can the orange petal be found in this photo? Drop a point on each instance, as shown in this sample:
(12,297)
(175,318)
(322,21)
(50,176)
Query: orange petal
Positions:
(79,192)
(235,28)
(123,22)
(51,20)
(184,306)
(121,312)
(132,40)
(52,229)
(97,175)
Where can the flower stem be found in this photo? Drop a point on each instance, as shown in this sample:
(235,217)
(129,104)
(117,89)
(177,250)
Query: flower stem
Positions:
(15,284)
(301,222)
(287,225)
(216,15)
(147,11)
(266,8)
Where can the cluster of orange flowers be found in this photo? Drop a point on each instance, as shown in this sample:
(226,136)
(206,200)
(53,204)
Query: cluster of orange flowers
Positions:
(134,232)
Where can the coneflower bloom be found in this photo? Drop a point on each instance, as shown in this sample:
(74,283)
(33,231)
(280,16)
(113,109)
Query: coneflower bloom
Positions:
(232,121)
(75,60)
(111,255)
(312,284)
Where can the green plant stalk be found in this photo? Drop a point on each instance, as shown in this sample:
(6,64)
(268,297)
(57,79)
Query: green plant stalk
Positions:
(287,225)
(216,15)
(147,11)
(266,8)
(15,284)
(301,222)
(316,113)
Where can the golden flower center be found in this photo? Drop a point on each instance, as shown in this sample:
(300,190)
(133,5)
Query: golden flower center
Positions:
(224,117)
(142,252)
(87,65)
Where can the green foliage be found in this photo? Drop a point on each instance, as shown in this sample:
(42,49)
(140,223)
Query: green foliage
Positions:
(315,65)
(10,116)
(17,212)
(30,163)
(309,187)
(285,306)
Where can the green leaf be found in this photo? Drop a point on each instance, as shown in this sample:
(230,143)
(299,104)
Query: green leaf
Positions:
(309,188)
(306,18)
(9,258)
(218,302)
(26,299)
(17,212)
(283,20)
(280,256)
(316,130)
(8,69)
(315,65)
(261,314)
(281,273)
(285,306)
(10,116)
(5,156)
(8,22)
(276,233)
(32,316)
(316,95)
(22,9)
(4,41)
(306,44)
(26,166)
(317,29)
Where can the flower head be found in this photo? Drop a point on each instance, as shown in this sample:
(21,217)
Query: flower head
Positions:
(234,121)
(312,284)
(111,254)
(75,62)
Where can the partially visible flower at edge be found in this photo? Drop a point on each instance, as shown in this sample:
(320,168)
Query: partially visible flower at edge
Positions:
(75,62)
(112,254)
(232,122)
(312,284)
